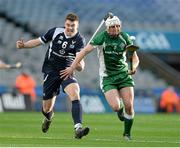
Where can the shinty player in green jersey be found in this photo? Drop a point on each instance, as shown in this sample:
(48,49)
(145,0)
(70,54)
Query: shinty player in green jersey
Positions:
(115,79)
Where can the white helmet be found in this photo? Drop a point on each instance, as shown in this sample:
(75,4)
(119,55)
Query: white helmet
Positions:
(112,21)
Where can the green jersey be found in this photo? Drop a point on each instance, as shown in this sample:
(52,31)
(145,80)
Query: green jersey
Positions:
(111,53)
(112,58)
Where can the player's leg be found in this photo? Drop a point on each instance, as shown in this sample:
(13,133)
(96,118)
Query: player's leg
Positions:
(112,96)
(113,99)
(120,113)
(50,90)
(127,94)
(47,111)
(73,91)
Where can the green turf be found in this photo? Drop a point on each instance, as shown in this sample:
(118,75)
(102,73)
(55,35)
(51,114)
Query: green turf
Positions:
(24,129)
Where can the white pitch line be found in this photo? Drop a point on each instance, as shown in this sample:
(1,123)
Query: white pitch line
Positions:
(99,139)
(140,141)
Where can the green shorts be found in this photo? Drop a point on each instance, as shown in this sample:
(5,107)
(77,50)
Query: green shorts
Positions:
(116,82)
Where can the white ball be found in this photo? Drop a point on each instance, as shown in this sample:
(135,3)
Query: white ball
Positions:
(133,38)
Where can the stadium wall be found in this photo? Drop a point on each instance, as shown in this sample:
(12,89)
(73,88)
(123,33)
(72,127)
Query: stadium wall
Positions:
(92,100)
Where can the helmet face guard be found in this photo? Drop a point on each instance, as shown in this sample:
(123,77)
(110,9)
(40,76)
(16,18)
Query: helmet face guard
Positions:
(113,26)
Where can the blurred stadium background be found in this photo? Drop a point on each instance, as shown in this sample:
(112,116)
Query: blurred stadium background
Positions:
(155,23)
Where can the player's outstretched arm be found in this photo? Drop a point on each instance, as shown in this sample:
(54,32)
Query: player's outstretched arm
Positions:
(80,66)
(80,56)
(4,65)
(28,44)
(10,66)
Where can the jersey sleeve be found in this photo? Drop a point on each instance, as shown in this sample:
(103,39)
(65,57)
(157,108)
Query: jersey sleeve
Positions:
(98,39)
(47,36)
(128,42)
(127,38)
(81,44)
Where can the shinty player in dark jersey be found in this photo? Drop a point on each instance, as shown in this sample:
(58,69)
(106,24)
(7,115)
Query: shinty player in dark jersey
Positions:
(65,43)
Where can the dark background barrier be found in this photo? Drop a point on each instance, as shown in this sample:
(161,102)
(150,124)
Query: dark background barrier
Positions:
(92,100)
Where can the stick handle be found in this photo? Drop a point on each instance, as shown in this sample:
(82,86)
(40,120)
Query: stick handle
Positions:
(12,67)
(130,59)
(131,63)
(109,14)
(100,25)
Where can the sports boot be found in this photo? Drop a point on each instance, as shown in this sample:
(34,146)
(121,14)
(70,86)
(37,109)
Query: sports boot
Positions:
(46,124)
(80,132)
(127,137)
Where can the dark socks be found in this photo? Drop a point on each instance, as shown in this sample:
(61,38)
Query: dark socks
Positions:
(120,114)
(127,126)
(76,111)
(48,115)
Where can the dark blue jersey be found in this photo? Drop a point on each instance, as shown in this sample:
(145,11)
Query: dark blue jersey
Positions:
(62,49)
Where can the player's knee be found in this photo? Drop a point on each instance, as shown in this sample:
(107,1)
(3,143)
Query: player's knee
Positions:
(46,109)
(74,97)
(129,109)
(115,107)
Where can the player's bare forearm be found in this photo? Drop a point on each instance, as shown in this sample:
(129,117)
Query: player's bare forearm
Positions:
(29,44)
(10,66)
(80,66)
(4,66)
(32,43)
(135,60)
(80,56)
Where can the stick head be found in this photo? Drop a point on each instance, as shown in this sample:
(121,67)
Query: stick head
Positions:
(108,15)
(132,48)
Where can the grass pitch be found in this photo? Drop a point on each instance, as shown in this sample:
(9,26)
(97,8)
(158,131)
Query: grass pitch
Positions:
(24,129)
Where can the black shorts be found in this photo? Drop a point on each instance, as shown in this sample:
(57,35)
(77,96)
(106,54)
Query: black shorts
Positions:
(52,83)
